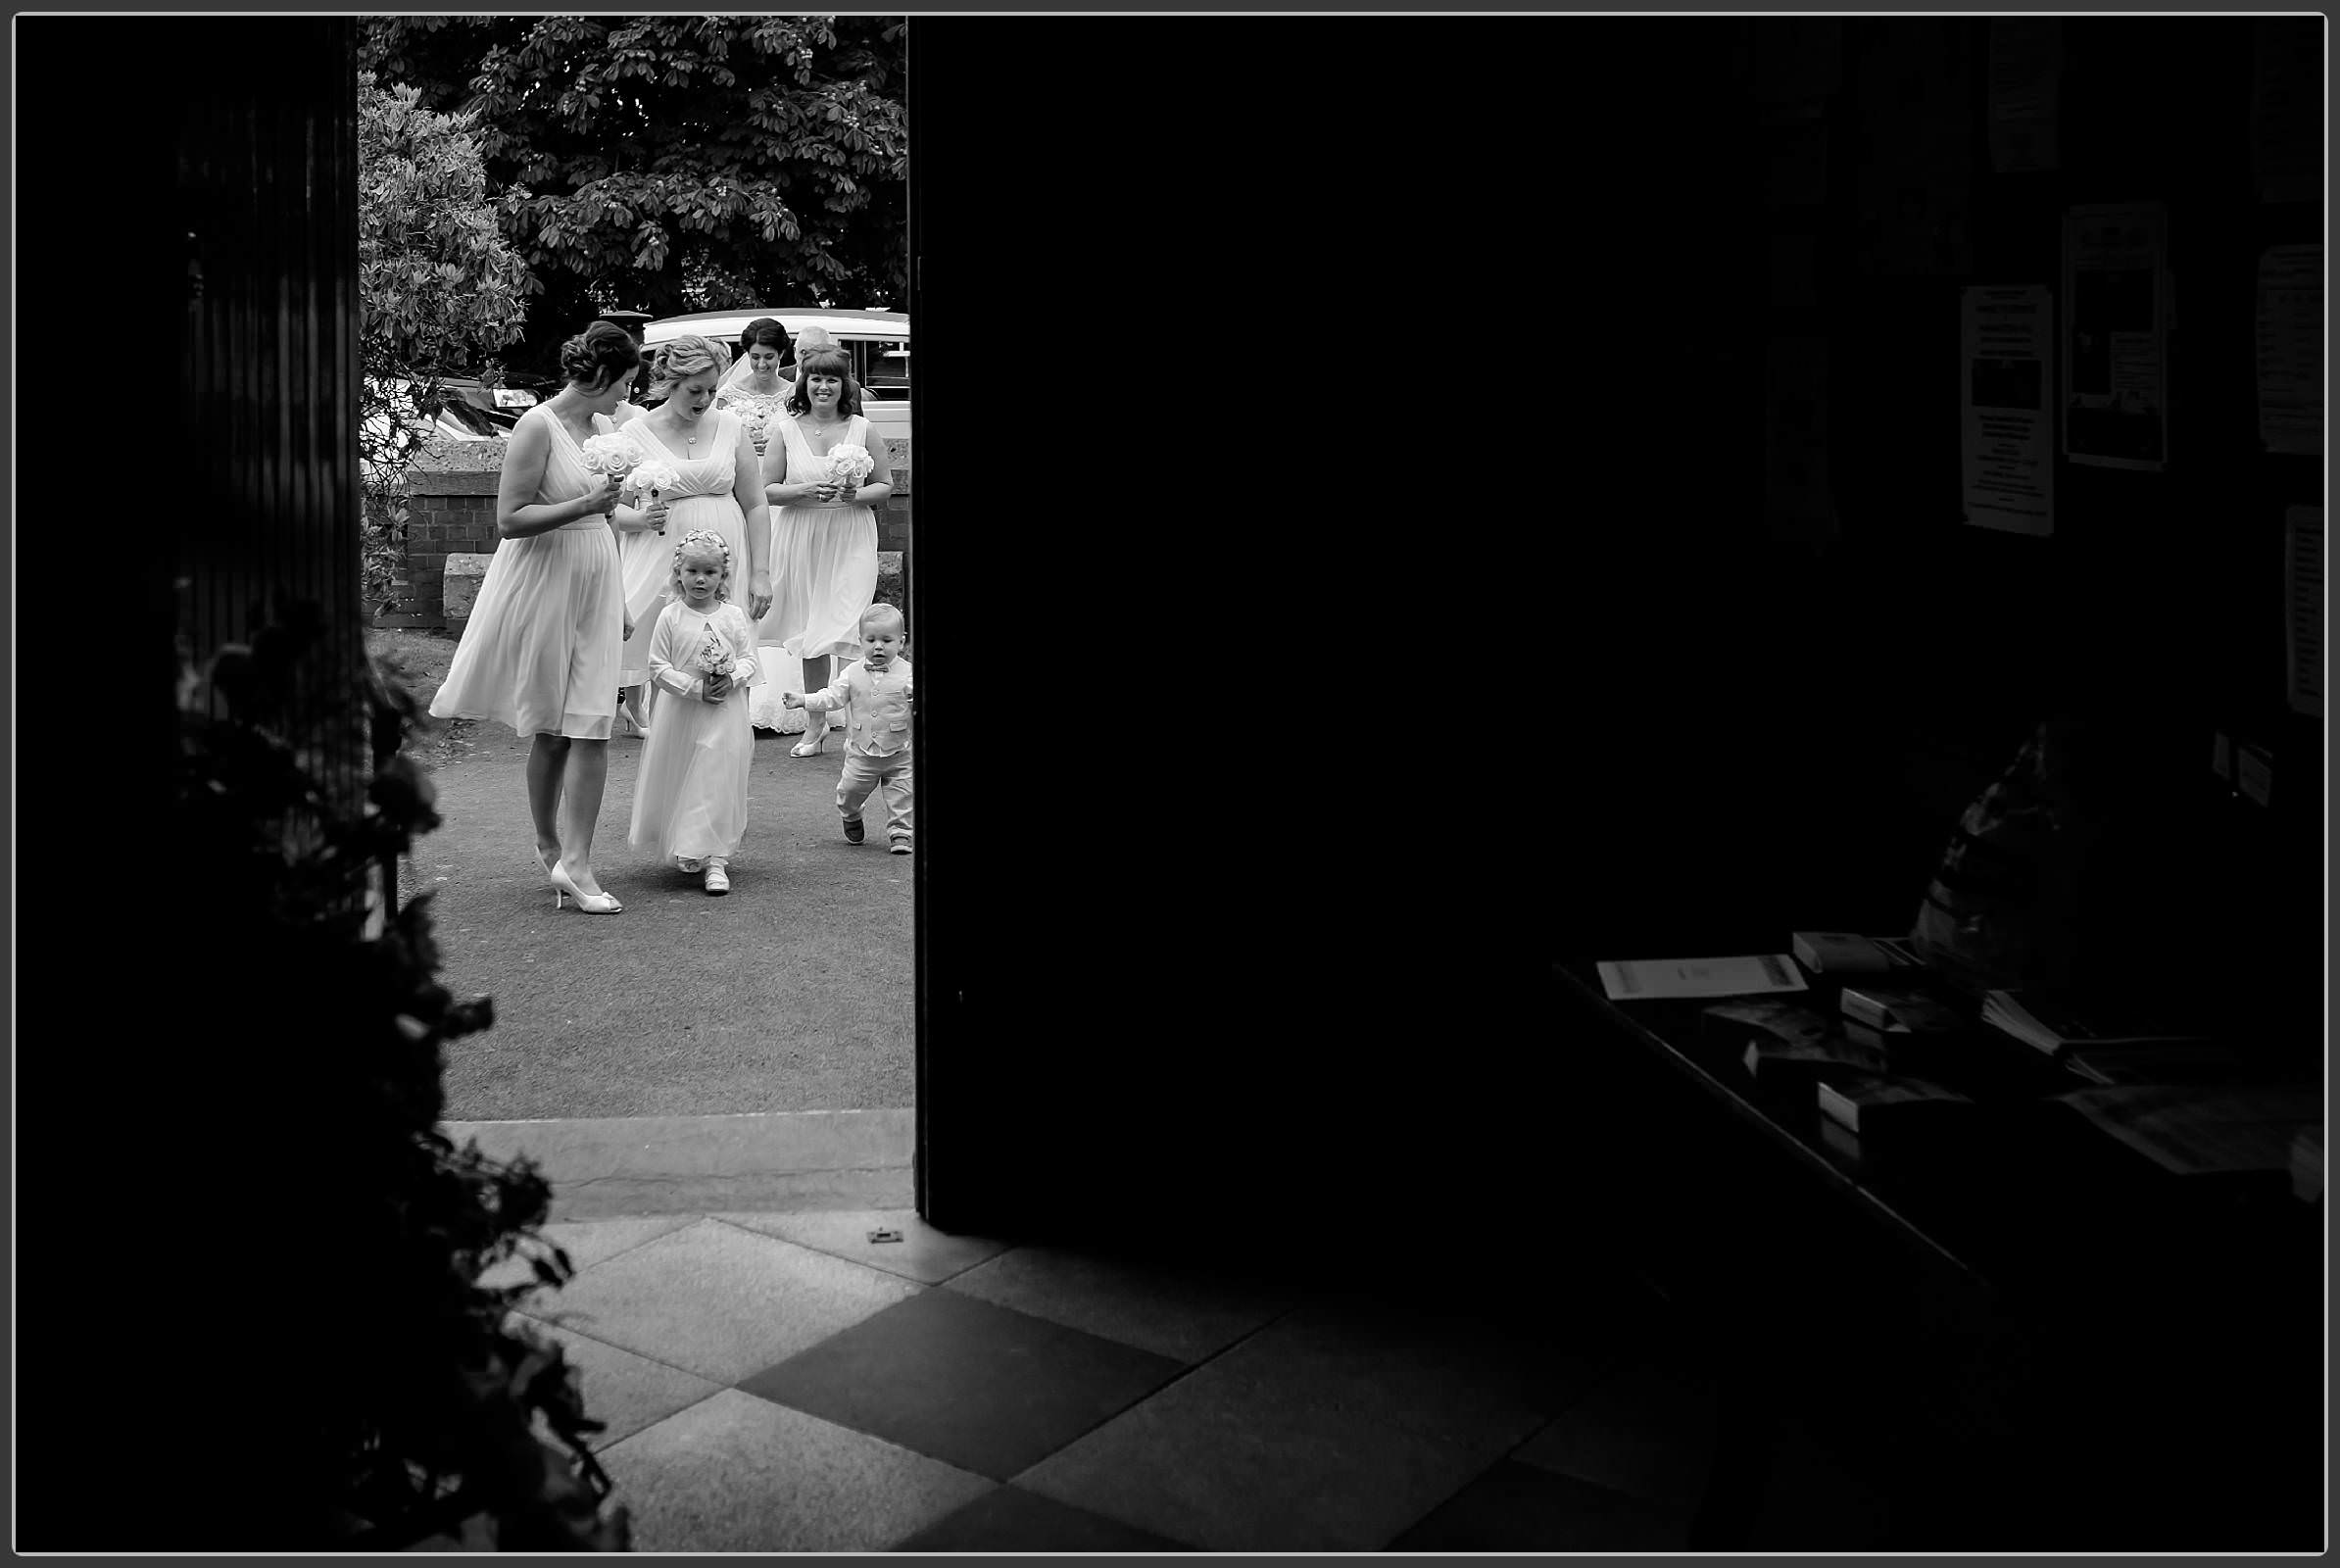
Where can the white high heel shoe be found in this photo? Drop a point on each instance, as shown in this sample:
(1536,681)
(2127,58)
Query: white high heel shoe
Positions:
(565,886)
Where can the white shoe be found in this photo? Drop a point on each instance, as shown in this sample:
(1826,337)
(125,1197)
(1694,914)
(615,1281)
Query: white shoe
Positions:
(717,882)
(688,864)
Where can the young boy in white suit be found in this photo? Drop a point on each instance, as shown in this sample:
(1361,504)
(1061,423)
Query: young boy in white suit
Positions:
(875,692)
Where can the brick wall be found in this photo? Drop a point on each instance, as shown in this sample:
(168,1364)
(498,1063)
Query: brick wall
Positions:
(450,509)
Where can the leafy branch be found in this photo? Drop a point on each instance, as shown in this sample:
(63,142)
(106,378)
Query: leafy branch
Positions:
(418,1404)
(438,287)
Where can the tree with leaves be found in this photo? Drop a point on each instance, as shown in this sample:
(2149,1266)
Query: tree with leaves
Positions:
(672,164)
(439,288)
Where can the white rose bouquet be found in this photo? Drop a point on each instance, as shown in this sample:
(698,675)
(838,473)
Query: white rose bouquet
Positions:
(849,463)
(645,481)
(640,476)
(614,454)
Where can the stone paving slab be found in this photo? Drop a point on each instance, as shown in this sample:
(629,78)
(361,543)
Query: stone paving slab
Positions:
(780,1161)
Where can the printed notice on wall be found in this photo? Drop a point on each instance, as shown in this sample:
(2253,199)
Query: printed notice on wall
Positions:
(2027,60)
(1798,502)
(2009,445)
(1795,155)
(2287,139)
(2291,349)
(1790,58)
(2302,602)
(2115,336)
(1913,173)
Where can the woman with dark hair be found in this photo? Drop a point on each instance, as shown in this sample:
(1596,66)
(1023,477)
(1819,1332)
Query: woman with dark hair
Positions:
(541,650)
(824,534)
(755,388)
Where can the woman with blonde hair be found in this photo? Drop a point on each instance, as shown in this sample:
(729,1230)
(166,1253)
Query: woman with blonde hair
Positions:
(824,534)
(717,488)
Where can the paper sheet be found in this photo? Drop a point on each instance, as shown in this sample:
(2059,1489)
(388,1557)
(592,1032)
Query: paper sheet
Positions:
(2007,445)
(1913,176)
(1798,500)
(1795,156)
(2291,349)
(1792,59)
(1647,979)
(2303,600)
(2115,336)
(1795,273)
(2027,62)
(2194,1131)
(2287,107)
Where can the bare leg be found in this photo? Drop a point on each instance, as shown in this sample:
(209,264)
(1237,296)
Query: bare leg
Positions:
(547,759)
(817,675)
(580,807)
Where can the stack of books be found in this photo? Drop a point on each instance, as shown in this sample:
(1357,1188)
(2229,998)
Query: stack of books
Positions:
(1840,953)
(1860,1105)
(2054,1026)
(1778,1040)
(1899,1008)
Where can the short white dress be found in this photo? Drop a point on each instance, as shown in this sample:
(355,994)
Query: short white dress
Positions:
(824,574)
(691,797)
(645,564)
(702,498)
(540,652)
(824,559)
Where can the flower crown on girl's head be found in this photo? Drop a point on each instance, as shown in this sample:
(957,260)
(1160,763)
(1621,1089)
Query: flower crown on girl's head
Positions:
(713,544)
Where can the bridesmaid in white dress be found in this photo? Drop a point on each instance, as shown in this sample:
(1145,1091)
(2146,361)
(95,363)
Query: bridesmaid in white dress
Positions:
(644,555)
(541,650)
(644,560)
(716,484)
(824,535)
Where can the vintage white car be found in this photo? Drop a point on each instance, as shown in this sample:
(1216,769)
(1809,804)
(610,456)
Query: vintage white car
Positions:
(878,340)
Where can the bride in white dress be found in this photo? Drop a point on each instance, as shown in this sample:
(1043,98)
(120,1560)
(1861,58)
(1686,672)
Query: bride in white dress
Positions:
(754,387)
(824,535)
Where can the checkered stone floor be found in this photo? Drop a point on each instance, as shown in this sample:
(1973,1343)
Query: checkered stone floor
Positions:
(779,1382)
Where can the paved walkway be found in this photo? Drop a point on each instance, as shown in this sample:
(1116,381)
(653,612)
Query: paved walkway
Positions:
(780,1381)
(671,1164)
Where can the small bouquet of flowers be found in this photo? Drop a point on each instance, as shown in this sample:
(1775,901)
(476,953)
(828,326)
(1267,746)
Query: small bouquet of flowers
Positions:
(755,410)
(640,476)
(614,454)
(647,480)
(715,656)
(848,464)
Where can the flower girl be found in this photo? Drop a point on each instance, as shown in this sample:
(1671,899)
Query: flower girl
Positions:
(691,800)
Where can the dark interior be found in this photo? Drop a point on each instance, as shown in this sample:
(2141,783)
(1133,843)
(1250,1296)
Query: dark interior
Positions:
(1276,975)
